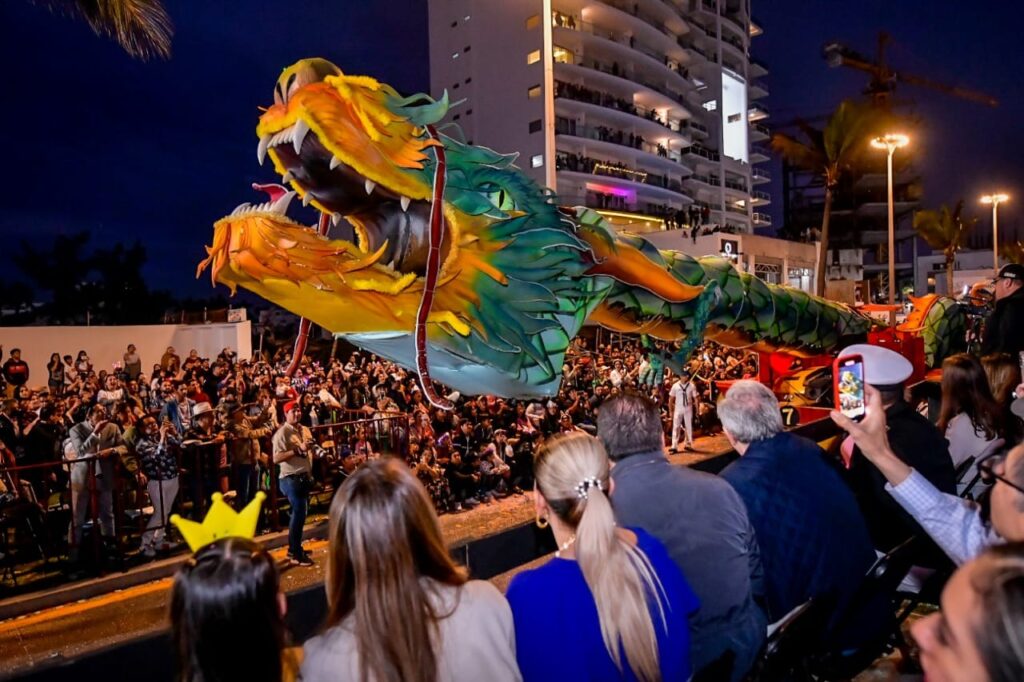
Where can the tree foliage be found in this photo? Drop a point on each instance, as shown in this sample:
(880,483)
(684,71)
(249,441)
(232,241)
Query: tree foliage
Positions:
(831,152)
(142,27)
(945,230)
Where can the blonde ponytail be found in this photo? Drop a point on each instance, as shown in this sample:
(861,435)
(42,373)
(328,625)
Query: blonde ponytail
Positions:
(572,475)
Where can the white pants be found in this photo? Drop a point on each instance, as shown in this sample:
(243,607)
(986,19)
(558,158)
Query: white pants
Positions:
(161,494)
(682,417)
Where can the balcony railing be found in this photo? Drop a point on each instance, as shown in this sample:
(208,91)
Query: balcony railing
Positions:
(761,128)
(763,196)
(578,163)
(738,186)
(580,93)
(760,174)
(760,149)
(633,8)
(699,127)
(615,136)
(704,152)
(569,21)
(762,219)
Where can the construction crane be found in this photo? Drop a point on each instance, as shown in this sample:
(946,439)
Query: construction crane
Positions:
(884,78)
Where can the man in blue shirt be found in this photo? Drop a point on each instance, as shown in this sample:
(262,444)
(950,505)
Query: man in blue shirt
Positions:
(814,542)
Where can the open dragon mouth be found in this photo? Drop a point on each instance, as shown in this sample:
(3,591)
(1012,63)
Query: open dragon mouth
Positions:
(380,216)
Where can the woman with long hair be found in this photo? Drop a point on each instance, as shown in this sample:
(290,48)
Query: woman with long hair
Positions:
(55,375)
(227,616)
(1003,374)
(969,416)
(399,609)
(611,605)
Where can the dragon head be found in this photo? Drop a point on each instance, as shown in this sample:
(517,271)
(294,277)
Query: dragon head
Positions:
(510,289)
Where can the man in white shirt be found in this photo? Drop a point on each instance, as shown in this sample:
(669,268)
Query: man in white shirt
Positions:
(955,524)
(682,397)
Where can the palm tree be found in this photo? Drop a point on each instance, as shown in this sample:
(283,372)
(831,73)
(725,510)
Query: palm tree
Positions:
(1013,252)
(945,231)
(830,152)
(142,27)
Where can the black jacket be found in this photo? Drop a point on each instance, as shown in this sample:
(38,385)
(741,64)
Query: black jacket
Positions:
(921,445)
(1004,328)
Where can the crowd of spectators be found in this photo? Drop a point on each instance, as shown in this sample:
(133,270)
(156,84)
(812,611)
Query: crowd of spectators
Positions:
(194,425)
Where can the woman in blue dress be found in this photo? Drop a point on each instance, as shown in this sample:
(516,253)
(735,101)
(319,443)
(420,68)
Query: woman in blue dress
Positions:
(611,605)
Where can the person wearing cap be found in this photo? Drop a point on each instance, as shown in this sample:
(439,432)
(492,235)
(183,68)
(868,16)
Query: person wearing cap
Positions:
(915,440)
(291,454)
(243,450)
(1004,328)
(206,445)
(681,398)
(957,525)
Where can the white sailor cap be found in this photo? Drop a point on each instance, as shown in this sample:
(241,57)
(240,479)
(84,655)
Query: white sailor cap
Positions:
(882,367)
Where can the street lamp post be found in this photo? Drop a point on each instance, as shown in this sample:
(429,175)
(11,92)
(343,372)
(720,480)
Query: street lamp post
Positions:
(890,143)
(995,200)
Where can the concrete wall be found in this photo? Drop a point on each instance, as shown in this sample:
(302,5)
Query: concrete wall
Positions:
(106,345)
(971,266)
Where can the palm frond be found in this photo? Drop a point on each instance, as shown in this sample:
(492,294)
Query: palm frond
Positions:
(142,27)
(801,154)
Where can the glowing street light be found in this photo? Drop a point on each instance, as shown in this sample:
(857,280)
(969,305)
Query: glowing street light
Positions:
(995,200)
(890,143)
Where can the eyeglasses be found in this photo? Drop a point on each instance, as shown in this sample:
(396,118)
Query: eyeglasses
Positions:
(988,475)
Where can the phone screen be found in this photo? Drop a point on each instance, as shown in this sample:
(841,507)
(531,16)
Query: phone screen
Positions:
(849,380)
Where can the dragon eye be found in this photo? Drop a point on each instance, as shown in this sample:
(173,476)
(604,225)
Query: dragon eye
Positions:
(502,200)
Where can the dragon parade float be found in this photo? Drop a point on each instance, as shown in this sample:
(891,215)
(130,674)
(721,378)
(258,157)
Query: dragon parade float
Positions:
(453,263)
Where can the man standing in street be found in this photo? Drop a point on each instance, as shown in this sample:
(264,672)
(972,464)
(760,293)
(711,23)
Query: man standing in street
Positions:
(681,398)
(1004,328)
(291,453)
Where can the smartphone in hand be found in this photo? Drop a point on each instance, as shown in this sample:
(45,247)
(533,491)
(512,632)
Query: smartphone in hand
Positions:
(848,384)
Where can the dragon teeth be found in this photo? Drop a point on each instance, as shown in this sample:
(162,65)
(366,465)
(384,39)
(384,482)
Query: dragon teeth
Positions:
(301,128)
(287,177)
(405,203)
(241,208)
(335,219)
(306,198)
(335,162)
(281,205)
(261,150)
(370,184)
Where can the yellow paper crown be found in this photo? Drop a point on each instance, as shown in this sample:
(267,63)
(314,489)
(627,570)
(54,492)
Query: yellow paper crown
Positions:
(221,522)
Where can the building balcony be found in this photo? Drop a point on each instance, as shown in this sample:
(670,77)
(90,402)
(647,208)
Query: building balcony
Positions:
(759,153)
(760,175)
(762,219)
(635,178)
(759,198)
(612,77)
(757,89)
(625,48)
(695,128)
(636,147)
(648,122)
(757,69)
(757,112)
(759,132)
(655,16)
(697,151)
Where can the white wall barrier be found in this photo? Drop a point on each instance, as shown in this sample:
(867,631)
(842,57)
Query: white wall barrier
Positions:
(106,345)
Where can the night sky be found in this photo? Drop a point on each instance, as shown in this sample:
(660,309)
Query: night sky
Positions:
(97,141)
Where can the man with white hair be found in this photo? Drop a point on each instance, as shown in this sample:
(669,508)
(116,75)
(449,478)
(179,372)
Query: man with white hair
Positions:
(813,540)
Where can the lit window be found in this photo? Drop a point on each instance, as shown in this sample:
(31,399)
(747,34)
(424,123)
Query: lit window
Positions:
(533,92)
(455,55)
(536,161)
(535,125)
(533,57)
(532,22)
(562,55)
(710,105)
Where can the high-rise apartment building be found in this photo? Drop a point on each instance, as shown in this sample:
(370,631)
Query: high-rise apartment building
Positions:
(645,109)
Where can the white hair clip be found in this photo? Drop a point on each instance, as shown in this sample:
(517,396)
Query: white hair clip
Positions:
(584,486)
